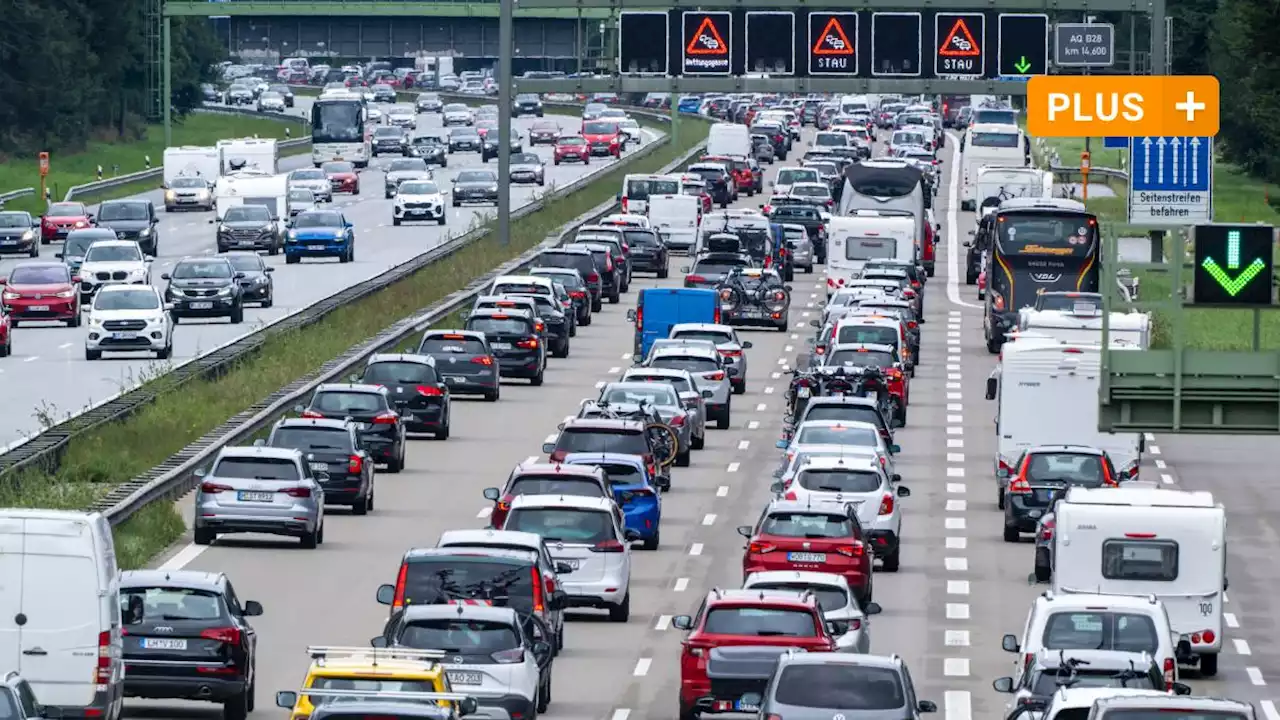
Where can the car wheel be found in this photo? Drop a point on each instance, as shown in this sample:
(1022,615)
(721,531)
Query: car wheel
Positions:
(1043,572)
(165,352)
(698,442)
(893,560)
(309,541)
(396,464)
(361,506)
(492,395)
(443,433)
(395,221)
(653,542)
(7,349)
(536,380)
(722,422)
(622,612)
(682,458)
(1011,534)
(292,259)
(204,536)
(1208,665)
(237,314)
(544,695)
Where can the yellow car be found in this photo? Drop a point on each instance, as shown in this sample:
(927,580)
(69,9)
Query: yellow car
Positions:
(386,673)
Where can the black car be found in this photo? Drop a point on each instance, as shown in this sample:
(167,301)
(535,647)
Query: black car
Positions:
(807,216)
(719,183)
(132,220)
(464,139)
(186,635)
(475,186)
(648,252)
(249,227)
(544,133)
(415,388)
(1041,474)
(610,281)
(611,237)
(464,361)
(581,260)
(380,427)
(284,92)
(573,283)
(205,287)
(431,149)
(256,285)
(555,322)
(428,103)
(526,104)
(515,341)
(388,140)
(528,168)
(754,297)
(19,233)
(489,149)
(779,138)
(332,447)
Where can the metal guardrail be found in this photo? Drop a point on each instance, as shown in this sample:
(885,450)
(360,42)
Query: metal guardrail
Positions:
(175,477)
(15,194)
(43,448)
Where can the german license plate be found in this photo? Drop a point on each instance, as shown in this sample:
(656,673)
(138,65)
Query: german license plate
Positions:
(320,467)
(39,308)
(802,557)
(465,678)
(744,706)
(164,644)
(201,306)
(571,562)
(251,496)
(454,379)
(123,336)
(501,346)
(752,313)
(362,426)
(315,247)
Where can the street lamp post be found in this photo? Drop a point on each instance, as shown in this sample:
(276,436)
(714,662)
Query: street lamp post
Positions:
(505,49)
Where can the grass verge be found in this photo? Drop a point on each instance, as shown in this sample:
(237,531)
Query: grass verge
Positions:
(1238,198)
(119,158)
(115,453)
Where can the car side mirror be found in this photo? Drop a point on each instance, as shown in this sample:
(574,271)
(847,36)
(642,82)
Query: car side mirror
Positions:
(165,276)
(1009,643)
(1002,685)
(377,642)
(468,706)
(895,449)
(631,315)
(239,276)
(685,269)
(200,472)
(268,270)
(58,255)
(781,444)
(968,243)
(252,608)
(213,221)
(548,448)
(746,345)
(259,443)
(927,706)
(744,530)
(787,288)
(386,594)
(993,384)
(682,622)
(492,493)
(1181,689)
(816,324)
(631,535)
(872,608)
(903,491)
(286,699)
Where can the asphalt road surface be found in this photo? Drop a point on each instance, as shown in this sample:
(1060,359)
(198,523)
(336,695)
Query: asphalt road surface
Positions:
(48,375)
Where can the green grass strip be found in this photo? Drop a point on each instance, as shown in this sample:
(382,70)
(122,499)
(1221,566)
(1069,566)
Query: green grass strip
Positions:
(116,453)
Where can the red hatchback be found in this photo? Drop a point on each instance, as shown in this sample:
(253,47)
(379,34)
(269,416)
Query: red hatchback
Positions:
(810,536)
(63,217)
(739,618)
(342,176)
(41,291)
(6,334)
(603,137)
(572,148)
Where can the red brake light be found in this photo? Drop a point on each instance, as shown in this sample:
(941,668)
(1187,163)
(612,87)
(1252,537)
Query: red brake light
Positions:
(678,421)
(537,589)
(311,414)
(540,327)
(854,550)
(214,488)
(694,278)
(103,671)
(486,360)
(608,546)
(298,492)
(386,418)
(760,548)
(398,600)
(578,294)
(430,391)
(452,336)
(505,503)
(530,344)
(1020,486)
(1046,531)
(911,325)
(593,277)
(355,465)
(1169,673)
(228,635)
(1140,536)
(886,504)
(717,375)
(731,353)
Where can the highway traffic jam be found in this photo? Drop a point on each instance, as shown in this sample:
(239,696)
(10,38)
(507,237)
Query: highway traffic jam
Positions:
(734,501)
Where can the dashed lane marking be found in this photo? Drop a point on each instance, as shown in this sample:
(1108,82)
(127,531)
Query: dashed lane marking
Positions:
(695,549)
(664,621)
(642,667)
(722,491)
(733,467)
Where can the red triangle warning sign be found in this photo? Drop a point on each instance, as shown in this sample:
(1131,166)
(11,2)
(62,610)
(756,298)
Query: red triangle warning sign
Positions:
(707,40)
(960,42)
(833,40)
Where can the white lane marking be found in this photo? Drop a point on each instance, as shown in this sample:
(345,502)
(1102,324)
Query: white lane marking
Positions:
(768,390)
(954,523)
(957,704)
(1166,478)
(1160,464)
(957,638)
(1153,449)
(709,519)
(1269,709)
(1224,597)
(955,443)
(695,549)
(531,459)
(957,611)
(954,396)
(1230,620)
(956,564)
(955,667)
(782,361)
(1242,646)
(624,713)
(953,386)
(184,557)
(788,348)
(615,370)
(753,425)
(1255,676)
(957,543)
(600,384)
(953,333)
(485,512)
(33,358)
(761,407)
(744,444)
(955,488)
(955,472)
(955,419)
(722,491)
(957,587)
(64,346)
(1149,437)
(955,407)
(804,314)
(664,621)
(642,667)
(682,584)
(955,431)
(795,336)
(775,376)
(733,467)
(953,313)
(953,376)
(957,506)
(955,457)
(626,356)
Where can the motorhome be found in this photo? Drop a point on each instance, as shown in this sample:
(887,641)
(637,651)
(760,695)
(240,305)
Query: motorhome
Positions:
(865,235)
(1149,541)
(1084,325)
(987,145)
(997,183)
(676,217)
(192,161)
(252,188)
(260,154)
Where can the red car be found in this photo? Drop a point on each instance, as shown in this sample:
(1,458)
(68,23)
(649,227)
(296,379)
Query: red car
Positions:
(342,176)
(736,618)
(810,536)
(739,169)
(6,335)
(41,291)
(573,148)
(603,137)
(484,126)
(63,217)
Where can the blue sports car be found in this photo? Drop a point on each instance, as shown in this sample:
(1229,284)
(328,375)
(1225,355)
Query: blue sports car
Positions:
(633,489)
(320,233)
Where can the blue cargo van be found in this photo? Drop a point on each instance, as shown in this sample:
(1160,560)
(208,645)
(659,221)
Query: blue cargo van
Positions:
(658,309)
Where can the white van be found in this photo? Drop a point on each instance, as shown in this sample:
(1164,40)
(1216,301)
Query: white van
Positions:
(865,235)
(1171,544)
(729,140)
(61,625)
(676,217)
(987,145)
(636,190)
(271,191)
(1037,372)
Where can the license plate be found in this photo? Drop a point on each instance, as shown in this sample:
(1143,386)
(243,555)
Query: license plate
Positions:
(315,247)
(803,392)
(571,562)
(454,379)
(8,242)
(465,678)
(320,467)
(164,644)
(245,243)
(123,336)
(250,496)
(201,306)
(362,426)
(501,346)
(744,706)
(752,313)
(39,308)
(803,557)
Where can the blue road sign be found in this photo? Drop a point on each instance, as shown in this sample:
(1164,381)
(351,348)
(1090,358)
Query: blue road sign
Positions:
(1116,143)
(1167,164)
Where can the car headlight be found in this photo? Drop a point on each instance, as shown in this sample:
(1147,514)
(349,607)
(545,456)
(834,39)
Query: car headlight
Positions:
(145,232)
(293,234)
(223,229)
(29,235)
(169,195)
(95,322)
(66,294)
(138,272)
(11,296)
(224,291)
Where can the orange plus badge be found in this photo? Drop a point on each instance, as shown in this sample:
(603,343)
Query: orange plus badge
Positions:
(1122,106)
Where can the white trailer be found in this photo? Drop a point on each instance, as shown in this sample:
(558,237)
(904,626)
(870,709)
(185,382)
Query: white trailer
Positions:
(253,188)
(1085,326)
(260,154)
(192,161)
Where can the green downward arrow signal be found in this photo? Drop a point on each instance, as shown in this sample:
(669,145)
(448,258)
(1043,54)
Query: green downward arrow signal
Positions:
(1231,285)
(1022,65)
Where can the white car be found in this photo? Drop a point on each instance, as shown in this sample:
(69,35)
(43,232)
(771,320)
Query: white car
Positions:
(710,370)
(586,533)
(458,114)
(631,128)
(841,433)
(838,602)
(312,179)
(128,318)
(113,262)
(375,115)
(405,117)
(692,398)
(862,482)
(419,200)
(626,220)
(729,345)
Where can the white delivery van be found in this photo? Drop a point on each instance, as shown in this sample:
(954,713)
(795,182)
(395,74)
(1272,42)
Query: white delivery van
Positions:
(865,235)
(1069,326)
(636,190)
(1149,541)
(1038,372)
(252,188)
(261,154)
(192,161)
(60,625)
(987,145)
(995,184)
(729,140)
(676,217)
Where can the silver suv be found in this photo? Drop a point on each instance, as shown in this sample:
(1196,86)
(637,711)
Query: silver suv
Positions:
(260,490)
(819,686)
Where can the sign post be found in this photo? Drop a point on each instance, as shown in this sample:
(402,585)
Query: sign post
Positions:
(1084,175)
(44,172)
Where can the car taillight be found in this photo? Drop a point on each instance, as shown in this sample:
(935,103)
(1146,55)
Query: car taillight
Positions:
(643,492)
(514,655)
(386,418)
(102,673)
(886,504)
(854,550)
(760,548)
(772,716)
(1020,486)
(593,277)
(536,577)
(430,391)
(1169,673)
(731,353)
(694,279)
(912,325)
(228,635)
(214,488)
(485,360)
(624,205)
(540,327)
(578,294)
(530,344)
(312,414)
(608,546)
(717,375)
(678,421)
(298,492)
(355,465)
(1046,530)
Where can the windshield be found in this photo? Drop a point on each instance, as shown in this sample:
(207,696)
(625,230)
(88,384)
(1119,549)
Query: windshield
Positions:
(393,372)
(716,267)
(760,622)
(452,344)
(122,211)
(188,182)
(525,159)
(113,253)
(808,525)
(836,435)
(1074,469)
(859,358)
(995,117)
(866,248)
(78,243)
(686,362)
(256,468)
(250,213)
(1058,235)
(335,402)
(572,141)
(791,176)
(312,438)
(419,187)
(455,577)
(634,395)
(197,269)
(414,164)
(599,128)
(642,188)
(840,686)
(796,212)
(555,485)
(718,337)
(313,174)
(337,121)
(173,603)
(14,220)
(832,139)
(66,210)
(867,334)
(299,196)
(829,597)
(40,275)
(477,176)
(362,684)
(569,525)
(455,108)
(1100,630)
(995,140)
(318,220)
(595,440)
(456,635)
(338,167)
(839,481)
(811,191)
(492,325)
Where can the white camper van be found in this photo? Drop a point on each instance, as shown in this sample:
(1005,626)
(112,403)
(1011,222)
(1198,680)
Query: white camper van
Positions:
(1149,541)
(192,161)
(729,140)
(260,154)
(61,626)
(865,235)
(252,188)
(987,145)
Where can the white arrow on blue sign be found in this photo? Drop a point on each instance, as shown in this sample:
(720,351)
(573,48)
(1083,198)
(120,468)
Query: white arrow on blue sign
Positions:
(1170,180)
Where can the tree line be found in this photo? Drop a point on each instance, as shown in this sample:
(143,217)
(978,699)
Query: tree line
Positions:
(76,70)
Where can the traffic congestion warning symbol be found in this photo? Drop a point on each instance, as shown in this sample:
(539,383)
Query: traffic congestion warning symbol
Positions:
(960,42)
(833,40)
(707,40)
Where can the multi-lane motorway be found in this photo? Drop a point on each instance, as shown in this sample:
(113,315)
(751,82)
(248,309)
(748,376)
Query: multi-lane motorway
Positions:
(959,589)
(48,373)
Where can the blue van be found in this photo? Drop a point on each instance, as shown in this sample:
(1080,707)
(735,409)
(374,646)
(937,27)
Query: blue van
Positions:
(658,309)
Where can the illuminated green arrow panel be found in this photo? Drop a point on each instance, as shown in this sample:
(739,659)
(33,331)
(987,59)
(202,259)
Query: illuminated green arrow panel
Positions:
(1245,278)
